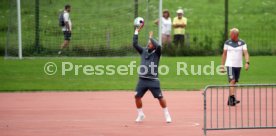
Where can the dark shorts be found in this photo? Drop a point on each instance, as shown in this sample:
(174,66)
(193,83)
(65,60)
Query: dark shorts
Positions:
(145,84)
(67,35)
(233,73)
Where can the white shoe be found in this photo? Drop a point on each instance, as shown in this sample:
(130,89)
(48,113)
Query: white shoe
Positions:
(168,118)
(140,118)
(59,52)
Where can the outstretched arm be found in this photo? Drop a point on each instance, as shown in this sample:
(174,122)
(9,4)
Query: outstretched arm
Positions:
(156,22)
(156,45)
(135,40)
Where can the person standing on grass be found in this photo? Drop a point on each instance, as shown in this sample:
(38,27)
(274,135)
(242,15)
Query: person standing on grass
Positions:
(232,56)
(179,25)
(166,27)
(66,24)
(148,75)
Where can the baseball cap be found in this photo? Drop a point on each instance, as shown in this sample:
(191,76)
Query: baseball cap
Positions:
(180,11)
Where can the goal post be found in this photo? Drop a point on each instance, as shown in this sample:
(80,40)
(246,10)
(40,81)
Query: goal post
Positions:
(160,22)
(19,29)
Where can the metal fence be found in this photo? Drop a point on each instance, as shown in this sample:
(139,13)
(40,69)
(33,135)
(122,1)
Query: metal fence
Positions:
(105,28)
(255,111)
(99,28)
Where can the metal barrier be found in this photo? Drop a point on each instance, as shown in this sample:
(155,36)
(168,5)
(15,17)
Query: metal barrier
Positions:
(255,110)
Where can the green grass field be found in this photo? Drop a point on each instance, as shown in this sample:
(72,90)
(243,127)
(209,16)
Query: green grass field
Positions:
(93,20)
(28,74)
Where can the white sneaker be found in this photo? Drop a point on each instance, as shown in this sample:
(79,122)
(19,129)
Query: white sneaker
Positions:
(168,118)
(59,52)
(140,118)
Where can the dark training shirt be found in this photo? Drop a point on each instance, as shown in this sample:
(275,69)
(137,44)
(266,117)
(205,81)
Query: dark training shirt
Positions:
(148,58)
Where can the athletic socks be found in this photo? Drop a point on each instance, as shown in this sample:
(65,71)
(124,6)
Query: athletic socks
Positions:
(165,110)
(140,111)
(167,115)
(140,116)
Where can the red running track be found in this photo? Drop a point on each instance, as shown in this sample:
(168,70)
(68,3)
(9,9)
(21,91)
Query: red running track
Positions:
(104,114)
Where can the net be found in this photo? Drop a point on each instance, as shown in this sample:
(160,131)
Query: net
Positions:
(106,28)
(99,29)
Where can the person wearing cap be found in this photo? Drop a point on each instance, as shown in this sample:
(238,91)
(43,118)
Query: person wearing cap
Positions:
(232,56)
(148,75)
(179,25)
(166,27)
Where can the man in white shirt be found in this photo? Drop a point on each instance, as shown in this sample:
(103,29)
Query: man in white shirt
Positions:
(66,28)
(232,57)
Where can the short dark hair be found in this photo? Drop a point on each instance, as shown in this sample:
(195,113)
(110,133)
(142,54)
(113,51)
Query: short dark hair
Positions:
(67,6)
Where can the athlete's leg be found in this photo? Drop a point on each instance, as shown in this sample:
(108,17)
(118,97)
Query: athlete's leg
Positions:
(141,89)
(164,39)
(169,40)
(138,102)
(156,92)
(232,101)
(162,102)
(65,44)
(232,88)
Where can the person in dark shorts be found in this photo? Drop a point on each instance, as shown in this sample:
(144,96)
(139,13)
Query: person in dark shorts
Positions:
(148,75)
(232,56)
(66,28)
(179,25)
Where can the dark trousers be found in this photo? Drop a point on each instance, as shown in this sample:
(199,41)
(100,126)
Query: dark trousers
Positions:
(179,39)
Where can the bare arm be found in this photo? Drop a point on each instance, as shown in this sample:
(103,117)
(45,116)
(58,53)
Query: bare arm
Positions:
(179,25)
(156,22)
(246,56)
(67,26)
(223,59)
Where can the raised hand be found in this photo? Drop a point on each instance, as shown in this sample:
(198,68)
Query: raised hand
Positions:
(141,26)
(150,34)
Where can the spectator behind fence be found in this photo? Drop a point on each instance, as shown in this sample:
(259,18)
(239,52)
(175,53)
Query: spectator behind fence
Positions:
(179,25)
(66,24)
(166,27)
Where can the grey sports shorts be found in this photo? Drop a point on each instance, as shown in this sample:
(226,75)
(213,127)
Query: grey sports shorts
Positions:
(145,84)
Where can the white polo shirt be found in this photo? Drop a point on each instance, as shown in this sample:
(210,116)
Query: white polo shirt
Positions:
(67,19)
(234,53)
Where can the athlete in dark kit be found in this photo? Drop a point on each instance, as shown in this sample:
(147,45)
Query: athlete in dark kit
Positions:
(148,75)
